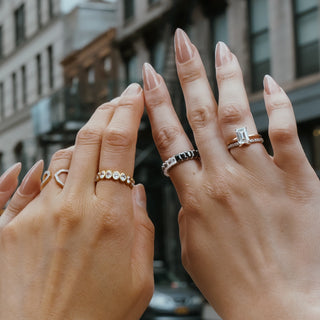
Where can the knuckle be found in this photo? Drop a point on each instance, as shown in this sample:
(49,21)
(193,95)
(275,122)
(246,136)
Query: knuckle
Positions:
(118,137)
(280,103)
(228,74)
(191,202)
(147,226)
(283,134)
(9,234)
(219,192)
(67,215)
(191,75)
(88,136)
(155,99)
(165,137)
(231,113)
(16,204)
(127,102)
(63,154)
(200,116)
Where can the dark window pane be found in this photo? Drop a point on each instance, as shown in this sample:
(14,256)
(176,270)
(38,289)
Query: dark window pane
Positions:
(308,59)
(259,70)
(14,91)
(50,66)
(39,74)
(1,41)
(128,9)
(51,11)
(24,84)
(19,20)
(304,5)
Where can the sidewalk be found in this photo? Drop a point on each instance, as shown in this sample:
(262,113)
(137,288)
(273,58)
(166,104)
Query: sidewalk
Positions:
(209,313)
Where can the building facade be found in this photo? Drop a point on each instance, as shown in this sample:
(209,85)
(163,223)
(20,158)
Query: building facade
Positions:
(34,37)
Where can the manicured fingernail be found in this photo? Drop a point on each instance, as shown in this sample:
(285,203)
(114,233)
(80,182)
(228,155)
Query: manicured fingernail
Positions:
(183,46)
(140,195)
(9,177)
(270,86)
(223,54)
(132,90)
(31,182)
(150,77)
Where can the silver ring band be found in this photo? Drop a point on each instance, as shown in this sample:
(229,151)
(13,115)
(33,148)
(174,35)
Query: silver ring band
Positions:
(180,157)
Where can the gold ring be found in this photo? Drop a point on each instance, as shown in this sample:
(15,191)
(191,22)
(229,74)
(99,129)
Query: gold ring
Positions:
(116,176)
(45,179)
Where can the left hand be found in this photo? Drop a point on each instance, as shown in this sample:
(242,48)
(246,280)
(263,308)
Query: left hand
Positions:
(84,251)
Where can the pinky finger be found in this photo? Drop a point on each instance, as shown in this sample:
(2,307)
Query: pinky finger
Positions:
(288,152)
(28,190)
(8,183)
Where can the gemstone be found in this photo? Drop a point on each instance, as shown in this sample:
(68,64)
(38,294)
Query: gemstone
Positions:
(128,180)
(242,136)
(102,174)
(123,177)
(116,175)
(108,174)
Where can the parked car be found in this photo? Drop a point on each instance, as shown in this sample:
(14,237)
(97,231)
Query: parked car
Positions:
(173,299)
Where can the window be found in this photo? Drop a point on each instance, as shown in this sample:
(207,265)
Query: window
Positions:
(219,32)
(91,75)
(107,63)
(157,56)
(24,84)
(39,75)
(1,42)
(74,86)
(51,9)
(50,67)
(14,91)
(260,43)
(39,13)
(132,69)
(1,100)
(128,9)
(307,36)
(19,21)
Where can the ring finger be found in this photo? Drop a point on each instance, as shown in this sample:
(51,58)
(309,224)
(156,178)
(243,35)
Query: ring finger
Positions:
(234,110)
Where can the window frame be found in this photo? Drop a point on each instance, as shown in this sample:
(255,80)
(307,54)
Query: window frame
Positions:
(299,73)
(257,84)
(20,23)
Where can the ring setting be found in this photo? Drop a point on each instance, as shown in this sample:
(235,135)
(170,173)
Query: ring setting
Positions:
(180,157)
(243,138)
(45,179)
(116,176)
(56,177)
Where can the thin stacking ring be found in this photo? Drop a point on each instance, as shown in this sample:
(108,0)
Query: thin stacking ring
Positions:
(45,179)
(56,177)
(180,157)
(115,176)
(243,138)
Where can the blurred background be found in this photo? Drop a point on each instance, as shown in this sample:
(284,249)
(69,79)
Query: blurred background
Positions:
(60,59)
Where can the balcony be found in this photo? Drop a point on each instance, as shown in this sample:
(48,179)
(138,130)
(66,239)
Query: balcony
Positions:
(63,112)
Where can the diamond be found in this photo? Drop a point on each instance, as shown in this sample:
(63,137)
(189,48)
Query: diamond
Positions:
(102,174)
(109,174)
(242,136)
(123,177)
(116,175)
(128,180)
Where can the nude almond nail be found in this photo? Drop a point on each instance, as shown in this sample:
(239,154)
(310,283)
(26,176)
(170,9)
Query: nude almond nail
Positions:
(183,46)
(270,86)
(223,54)
(31,182)
(150,77)
(9,177)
